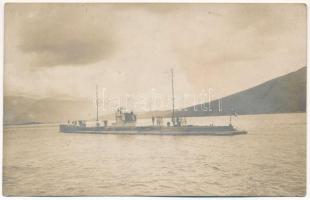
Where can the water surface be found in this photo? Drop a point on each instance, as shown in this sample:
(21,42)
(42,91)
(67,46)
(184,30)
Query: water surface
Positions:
(270,160)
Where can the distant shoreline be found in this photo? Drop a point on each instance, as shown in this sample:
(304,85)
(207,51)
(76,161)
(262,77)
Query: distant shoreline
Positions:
(56,123)
(25,123)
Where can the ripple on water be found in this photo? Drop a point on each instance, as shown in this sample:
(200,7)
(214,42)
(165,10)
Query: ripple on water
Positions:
(270,160)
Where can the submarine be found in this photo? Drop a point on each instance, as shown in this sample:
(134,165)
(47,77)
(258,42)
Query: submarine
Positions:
(125,124)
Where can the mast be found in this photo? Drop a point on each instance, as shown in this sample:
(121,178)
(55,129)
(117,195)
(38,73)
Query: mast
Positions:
(97,102)
(172,87)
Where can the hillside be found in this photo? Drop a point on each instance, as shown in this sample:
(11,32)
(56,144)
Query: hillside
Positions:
(285,94)
(19,110)
(15,106)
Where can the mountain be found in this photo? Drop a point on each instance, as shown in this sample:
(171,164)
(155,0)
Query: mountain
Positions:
(285,94)
(20,110)
(14,106)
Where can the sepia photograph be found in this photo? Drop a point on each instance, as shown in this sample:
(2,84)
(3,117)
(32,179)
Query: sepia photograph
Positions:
(155,99)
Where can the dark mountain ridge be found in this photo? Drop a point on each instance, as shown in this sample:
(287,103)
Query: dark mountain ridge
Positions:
(285,94)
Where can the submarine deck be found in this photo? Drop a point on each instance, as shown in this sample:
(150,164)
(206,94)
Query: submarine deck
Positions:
(154,130)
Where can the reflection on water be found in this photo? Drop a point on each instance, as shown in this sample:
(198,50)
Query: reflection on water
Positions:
(270,160)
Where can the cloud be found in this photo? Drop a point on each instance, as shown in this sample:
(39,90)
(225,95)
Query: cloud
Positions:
(245,40)
(228,47)
(63,35)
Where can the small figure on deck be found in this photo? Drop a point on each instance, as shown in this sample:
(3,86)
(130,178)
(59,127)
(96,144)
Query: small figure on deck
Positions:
(178,121)
(159,120)
(184,122)
(153,120)
(173,121)
(82,123)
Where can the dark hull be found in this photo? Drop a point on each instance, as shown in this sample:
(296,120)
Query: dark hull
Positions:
(153,130)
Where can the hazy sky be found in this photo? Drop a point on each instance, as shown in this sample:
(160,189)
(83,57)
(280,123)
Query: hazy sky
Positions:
(64,50)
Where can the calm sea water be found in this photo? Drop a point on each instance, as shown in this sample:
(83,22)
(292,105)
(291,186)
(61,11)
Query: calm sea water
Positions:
(270,160)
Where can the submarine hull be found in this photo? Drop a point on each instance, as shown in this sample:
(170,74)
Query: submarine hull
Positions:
(154,130)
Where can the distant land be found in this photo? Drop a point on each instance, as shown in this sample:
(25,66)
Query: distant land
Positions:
(22,110)
(285,94)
